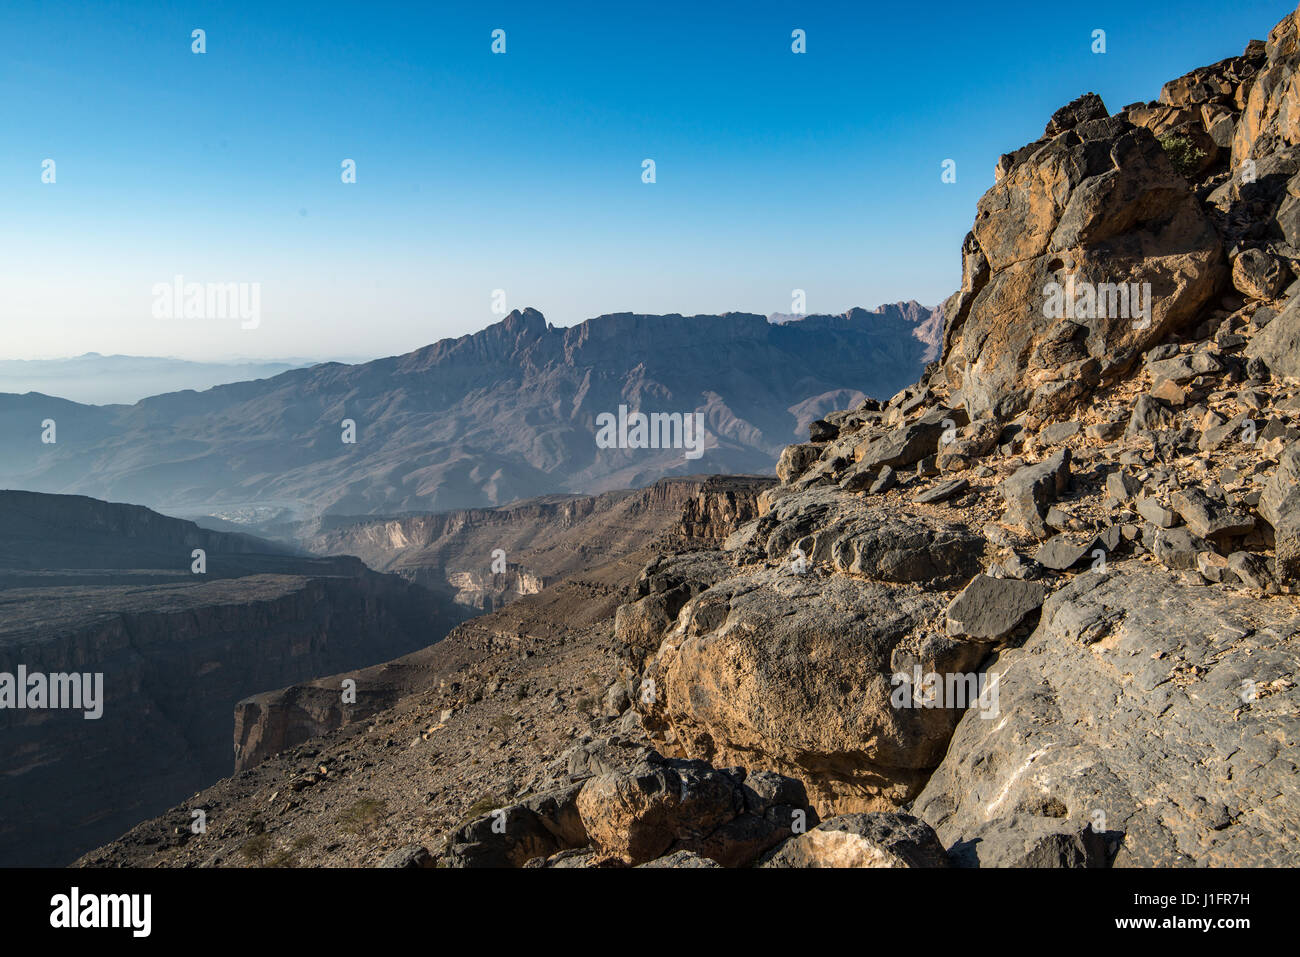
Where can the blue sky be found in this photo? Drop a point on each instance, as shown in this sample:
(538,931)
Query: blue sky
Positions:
(522,171)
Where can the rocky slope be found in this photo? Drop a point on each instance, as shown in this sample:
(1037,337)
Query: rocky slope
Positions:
(566,539)
(505,414)
(92,587)
(1038,609)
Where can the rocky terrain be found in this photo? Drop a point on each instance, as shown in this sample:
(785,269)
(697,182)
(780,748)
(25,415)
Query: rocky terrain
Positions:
(504,414)
(1040,608)
(485,558)
(93,587)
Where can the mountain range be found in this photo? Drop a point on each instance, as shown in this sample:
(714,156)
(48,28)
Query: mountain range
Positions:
(507,413)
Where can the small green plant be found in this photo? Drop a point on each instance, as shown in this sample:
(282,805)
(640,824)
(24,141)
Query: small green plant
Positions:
(483,805)
(362,815)
(255,849)
(303,841)
(283,858)
(503,722)
(1182,152)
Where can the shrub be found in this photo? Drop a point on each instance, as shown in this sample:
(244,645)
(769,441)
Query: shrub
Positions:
(1184,154)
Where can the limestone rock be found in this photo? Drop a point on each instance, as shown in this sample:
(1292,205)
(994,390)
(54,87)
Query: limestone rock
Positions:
(863,840)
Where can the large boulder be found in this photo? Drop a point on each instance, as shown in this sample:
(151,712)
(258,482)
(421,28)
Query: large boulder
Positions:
(1167,732)
(539,826)
(1277,345)
(1093,210)
(795,673)
(1280,507)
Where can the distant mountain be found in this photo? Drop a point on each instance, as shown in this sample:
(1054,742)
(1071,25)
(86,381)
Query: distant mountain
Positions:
(106,380)
(927,323)
(507,413)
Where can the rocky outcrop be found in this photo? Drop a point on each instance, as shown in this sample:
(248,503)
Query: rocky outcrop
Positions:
(1145,710)
(1076,222)
(1041,510)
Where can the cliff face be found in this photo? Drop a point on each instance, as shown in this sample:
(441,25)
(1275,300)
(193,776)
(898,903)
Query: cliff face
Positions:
(461,554)
(176,651)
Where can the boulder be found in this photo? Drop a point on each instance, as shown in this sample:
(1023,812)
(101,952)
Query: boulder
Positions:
(794,673)
(665,805)
(989,609)
(1095,209)
(1031,489)
(1280,507)
(863,840)
(511,836)
(1278,344)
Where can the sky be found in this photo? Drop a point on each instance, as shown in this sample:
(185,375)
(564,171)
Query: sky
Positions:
(502,180)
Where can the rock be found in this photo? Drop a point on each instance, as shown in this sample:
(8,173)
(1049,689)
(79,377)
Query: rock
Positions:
(822,431)
(1267,122)
(1060,553)
(1149,415)
(1121,486)
(1215,436)
(909,444)
(1170,392)
(681,859)
(1208,518)
(1257,274)
(1278,345)
(662,805)
(1096,203)
(1030,490)
(759,669)
(1178,548)
(1106,431)
(863,840)
(859,479)
(795,460)
(1127,712)
(1155,513)
(1212,566)
(1251,569)
(1280,507)
(616,699)
(989,609)
(1058,432)
(1027,840)
(943,491)
(885,481)
(412,855)
(539,826)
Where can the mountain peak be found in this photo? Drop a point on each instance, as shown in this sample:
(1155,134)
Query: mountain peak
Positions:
(529,320)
